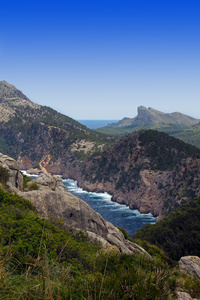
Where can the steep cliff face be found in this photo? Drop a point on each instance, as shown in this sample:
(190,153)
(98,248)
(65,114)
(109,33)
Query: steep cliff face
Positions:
(147,170)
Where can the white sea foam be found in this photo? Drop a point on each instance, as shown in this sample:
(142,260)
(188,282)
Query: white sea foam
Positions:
(27,174)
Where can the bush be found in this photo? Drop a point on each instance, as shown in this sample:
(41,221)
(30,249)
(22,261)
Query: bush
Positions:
(179,234)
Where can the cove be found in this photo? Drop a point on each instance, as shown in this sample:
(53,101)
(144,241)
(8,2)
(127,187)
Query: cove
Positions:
(118,214)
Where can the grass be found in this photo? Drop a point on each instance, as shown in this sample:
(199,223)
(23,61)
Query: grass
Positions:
(43,259)
(114,276)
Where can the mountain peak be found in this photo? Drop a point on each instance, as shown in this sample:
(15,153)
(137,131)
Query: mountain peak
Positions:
(9,91)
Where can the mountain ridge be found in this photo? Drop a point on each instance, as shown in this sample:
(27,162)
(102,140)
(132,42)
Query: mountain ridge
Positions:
(147,116)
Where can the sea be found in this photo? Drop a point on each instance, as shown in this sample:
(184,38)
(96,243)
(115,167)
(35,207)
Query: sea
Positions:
(94,124)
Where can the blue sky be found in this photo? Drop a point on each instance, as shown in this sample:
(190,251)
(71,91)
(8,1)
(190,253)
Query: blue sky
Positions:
(101,59)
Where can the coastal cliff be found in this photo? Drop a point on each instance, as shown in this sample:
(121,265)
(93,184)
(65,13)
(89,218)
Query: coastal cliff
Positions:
(148,170)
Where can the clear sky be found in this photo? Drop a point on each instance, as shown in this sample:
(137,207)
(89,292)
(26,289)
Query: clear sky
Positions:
(101,59)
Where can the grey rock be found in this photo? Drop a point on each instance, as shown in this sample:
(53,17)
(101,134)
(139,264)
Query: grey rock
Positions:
(52,198)
(183,296)
(190,264)
(15,180)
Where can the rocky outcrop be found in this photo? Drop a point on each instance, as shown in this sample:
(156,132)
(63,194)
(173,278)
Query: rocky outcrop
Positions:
(15,178)
(184,296)
(52,199)
(190,264)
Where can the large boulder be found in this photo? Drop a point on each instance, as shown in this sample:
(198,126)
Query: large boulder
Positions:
(53,199)
(190,264)
(15,178)
(184,296)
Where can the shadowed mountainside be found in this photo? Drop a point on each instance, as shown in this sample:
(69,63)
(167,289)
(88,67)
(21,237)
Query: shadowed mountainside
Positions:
(147,170)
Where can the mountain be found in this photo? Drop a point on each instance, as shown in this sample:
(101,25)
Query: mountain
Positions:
(146,170)
(150,117)
(176,124)
(37,135)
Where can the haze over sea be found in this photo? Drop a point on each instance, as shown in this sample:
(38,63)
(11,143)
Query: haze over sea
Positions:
(94,124)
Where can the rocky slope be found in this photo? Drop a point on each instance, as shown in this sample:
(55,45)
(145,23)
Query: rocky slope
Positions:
(37,135)
(147,170)
(51,198)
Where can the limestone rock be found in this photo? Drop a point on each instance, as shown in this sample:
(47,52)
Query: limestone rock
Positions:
(190,264)
(52,198)
(15,179)
(183,296)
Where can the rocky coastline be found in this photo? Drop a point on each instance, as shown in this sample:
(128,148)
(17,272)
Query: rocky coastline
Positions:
(51,198)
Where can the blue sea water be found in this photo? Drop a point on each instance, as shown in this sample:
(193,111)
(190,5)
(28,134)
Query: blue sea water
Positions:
(118,214)
(94,124)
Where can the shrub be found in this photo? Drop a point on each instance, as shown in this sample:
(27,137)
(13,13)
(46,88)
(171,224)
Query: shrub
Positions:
(3,176)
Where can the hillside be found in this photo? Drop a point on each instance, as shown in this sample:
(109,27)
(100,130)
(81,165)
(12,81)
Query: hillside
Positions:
(178,234)
(147,170)
(176,124)
(37,135)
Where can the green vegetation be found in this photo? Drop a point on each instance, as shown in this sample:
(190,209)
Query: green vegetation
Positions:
(179,234)
(32,186)
(42,259)
(3,176)
(165,151)
(188,134)
(26,179)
